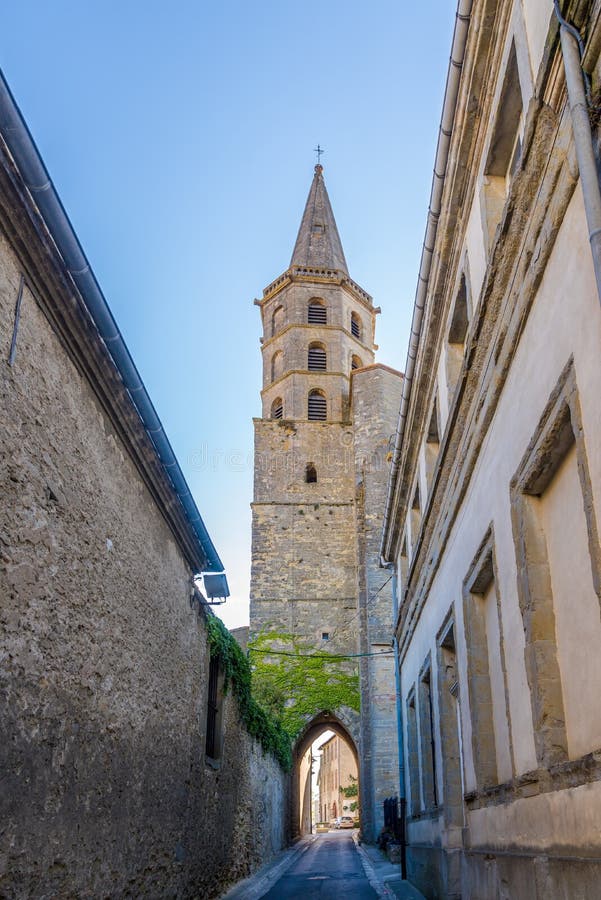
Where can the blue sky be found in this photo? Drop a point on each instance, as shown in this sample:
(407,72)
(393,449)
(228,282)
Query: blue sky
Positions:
(180,139)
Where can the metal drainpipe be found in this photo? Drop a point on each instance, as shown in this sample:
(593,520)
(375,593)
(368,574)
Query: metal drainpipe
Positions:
(583,139)
(399,722)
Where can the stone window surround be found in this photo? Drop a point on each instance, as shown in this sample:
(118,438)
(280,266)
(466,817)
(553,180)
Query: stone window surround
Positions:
(427,737)
(413,768)
(559,428)
(448,708)
(481,574)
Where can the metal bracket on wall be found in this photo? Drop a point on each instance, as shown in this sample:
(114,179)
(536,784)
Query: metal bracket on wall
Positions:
(13,343)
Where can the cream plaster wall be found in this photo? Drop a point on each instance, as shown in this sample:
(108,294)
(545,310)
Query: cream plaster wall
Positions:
(578,636)
(537,16)
(562,820)
(565,320)
(497,684)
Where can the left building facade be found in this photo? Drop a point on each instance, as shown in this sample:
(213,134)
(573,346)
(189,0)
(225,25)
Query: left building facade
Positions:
(112,784)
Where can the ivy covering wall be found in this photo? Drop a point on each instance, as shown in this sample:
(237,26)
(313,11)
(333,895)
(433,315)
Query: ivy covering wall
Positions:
(259,722)
(295,682)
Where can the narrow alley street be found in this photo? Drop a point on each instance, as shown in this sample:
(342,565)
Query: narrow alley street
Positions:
(330,869)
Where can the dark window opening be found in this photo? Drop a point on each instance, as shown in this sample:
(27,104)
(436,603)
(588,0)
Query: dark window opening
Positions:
(212,708)
(317,406)
(505,148)
(277,409)
(416,504)
(317,314)
(356,362)
(310,474)
(433,436)
(325,635)
(355,326)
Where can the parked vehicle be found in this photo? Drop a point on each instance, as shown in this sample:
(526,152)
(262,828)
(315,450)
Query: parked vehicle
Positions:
(346,822)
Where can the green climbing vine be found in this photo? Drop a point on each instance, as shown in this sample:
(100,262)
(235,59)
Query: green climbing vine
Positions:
(297,686)
(351,790)
(259,722)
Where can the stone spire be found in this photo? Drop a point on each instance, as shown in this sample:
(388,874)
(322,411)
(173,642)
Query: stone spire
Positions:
(318,243)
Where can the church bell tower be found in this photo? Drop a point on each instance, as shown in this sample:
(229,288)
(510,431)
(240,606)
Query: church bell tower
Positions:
(318,326)
(320,605)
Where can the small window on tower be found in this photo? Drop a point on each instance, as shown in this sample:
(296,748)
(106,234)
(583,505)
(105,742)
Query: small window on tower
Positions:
(325,635)
(356,362)
(317,357)
(317,406)
(318,228)
(277,409)
(310,474)
(317,313)
(355,326)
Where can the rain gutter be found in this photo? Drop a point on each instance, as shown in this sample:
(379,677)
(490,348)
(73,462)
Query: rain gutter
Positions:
(462,21)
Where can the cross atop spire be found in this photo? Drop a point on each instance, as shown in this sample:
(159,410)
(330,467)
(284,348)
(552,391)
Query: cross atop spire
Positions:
(318,244)
(319,152)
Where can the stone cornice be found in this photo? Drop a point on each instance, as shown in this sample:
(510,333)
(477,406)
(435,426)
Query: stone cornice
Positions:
(305,372)
(524,242)
(319,329)
(303,274)
(61,303)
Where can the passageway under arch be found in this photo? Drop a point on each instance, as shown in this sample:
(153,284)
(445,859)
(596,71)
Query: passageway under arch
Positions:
(301,817)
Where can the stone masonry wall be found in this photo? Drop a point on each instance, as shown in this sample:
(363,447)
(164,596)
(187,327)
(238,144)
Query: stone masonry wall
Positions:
(376,394)
(103,663)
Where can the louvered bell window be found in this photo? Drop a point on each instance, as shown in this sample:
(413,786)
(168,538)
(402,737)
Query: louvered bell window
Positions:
(277,409)
(317,407)
(355,327)
(317,359)
(317,314)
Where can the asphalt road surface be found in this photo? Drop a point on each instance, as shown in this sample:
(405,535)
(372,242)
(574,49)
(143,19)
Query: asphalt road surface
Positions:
(329,870)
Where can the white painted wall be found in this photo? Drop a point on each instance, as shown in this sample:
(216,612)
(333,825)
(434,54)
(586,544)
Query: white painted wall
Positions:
(565,320)
(576,605)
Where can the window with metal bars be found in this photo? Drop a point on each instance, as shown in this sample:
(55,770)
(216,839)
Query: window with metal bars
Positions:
(277,409)
(211,746)
(317,406)
(317,357)
(355,325)
(317,314)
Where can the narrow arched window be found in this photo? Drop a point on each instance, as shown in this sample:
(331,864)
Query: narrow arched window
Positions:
(310,474)
(356,326)
(277,365)
(317,357)
(356,362)
(277,320)
(317,406)
(317,313)
(277,409)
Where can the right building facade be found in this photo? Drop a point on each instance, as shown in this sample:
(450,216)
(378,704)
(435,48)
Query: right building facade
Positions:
(494,496)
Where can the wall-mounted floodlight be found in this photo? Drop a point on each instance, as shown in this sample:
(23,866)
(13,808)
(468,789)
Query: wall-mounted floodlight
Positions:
(215,587)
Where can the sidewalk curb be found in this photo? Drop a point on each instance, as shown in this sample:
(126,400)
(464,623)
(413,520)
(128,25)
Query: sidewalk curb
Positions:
(378,886)
(257,885)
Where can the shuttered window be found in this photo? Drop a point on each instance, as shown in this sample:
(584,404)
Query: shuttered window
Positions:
(317,406)
(277,409)
(355,326)
(317,357)
(212,708)
(317,314)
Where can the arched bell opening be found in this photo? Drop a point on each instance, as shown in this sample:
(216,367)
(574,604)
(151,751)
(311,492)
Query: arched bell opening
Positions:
(304,816)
